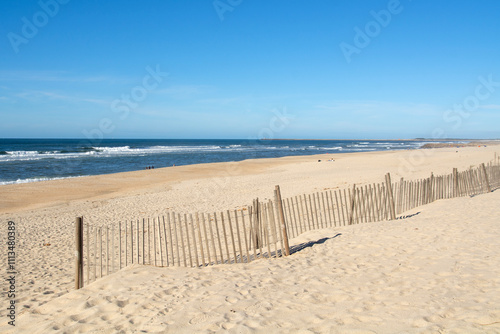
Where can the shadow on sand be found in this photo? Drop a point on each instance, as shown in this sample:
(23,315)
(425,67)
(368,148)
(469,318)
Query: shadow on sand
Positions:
(302,246)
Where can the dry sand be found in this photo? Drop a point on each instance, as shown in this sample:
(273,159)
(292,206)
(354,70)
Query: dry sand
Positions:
(437,271)
(464,144)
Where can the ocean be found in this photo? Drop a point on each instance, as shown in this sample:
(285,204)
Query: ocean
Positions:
(31,160)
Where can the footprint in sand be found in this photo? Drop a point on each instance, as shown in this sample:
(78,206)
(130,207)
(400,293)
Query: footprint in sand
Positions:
(227,326)
(76,318)
(231,300)
(202,318)
(258,308)
(122,303)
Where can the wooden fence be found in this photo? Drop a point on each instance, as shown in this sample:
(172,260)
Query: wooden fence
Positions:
(188,240)
(263,229)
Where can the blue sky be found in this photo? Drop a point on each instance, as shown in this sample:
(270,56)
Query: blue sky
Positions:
(245,69)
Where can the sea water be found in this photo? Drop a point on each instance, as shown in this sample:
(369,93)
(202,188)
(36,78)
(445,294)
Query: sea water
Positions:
(30,160)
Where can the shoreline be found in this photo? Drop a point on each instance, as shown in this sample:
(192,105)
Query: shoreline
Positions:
(164,161)
(175,174)
(497,141)
(44,194)
(47,170)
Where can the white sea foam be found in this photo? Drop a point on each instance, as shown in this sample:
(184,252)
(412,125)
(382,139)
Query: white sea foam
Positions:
(337,148)
(122,150)
(35,179)
(106,151)
(112,151)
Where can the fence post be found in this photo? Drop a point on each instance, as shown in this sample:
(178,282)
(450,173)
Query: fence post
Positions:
(79,253)
(483,167)
(455,182)
(256,224)
(431,189)
(392,208)
(352,206)
(279,203)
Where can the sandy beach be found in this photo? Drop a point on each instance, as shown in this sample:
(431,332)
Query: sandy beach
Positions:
(435,272)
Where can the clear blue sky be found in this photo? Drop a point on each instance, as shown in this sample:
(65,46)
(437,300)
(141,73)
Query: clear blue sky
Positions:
(334,67)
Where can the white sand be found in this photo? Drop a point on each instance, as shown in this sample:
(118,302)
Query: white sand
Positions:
(436,271)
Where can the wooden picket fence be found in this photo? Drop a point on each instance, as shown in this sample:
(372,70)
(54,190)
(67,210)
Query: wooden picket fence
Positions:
(188,240)
(263,229)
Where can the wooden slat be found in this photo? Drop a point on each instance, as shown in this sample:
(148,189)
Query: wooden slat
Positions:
(251,218)
(95,253)
(289,218)
(346,202)
(340,207)
(238,236)
(138,240)
(184,257)
(119,245)
(308,217)
(212,238)
(125,244)
(245,235)
(113,248)
(372,201)
(203,263)
(171,239)
(100,251)
(232,236)
(274,227)
(188,241)
(266,228)
(149,241)
(295,217)
(132,241)
(315,208)
(143,236)
(174,224)
(225,237)
(218,238)
(88,253)
(161,222)
(303,216)
(107,250)
(195,246)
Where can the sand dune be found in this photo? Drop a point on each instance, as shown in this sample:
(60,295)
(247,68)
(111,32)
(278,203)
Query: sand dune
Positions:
(437,271)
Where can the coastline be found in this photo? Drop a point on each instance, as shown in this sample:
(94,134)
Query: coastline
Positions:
(457,140)
(29,160)
(34,195)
